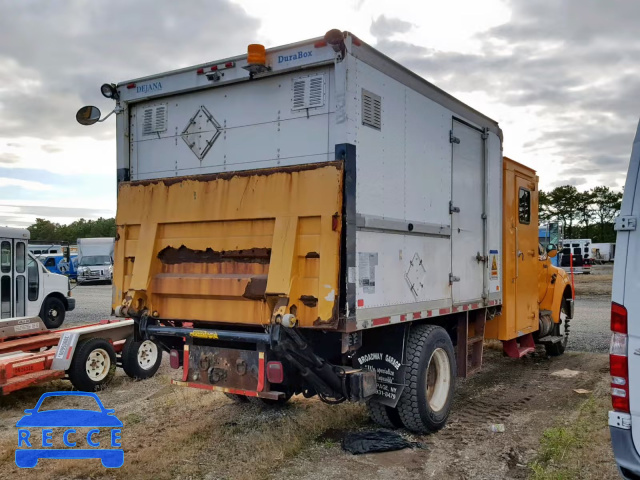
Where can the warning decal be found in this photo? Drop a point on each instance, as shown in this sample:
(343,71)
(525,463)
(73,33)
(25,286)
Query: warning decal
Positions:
(493,257)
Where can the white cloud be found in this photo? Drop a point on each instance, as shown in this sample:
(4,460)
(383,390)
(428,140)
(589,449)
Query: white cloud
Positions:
(26,184)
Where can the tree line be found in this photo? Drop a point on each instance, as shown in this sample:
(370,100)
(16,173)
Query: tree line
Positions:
(589,214)
(45,230)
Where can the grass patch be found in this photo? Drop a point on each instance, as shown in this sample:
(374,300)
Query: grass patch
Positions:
(579,449)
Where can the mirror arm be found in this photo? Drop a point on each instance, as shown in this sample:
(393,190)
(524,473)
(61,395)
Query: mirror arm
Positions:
(116,110)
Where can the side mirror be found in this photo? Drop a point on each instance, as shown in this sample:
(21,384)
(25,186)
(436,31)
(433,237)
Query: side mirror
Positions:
(552,250)
(88,115)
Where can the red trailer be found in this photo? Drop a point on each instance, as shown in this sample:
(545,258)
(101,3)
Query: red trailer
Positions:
(87,355)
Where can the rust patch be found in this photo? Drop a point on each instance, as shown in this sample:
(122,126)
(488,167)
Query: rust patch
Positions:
(312,255)
(309,301)
(256,288)
(174,256)
(229,175)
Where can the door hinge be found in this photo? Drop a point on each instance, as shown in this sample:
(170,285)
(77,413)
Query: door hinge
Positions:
(481,258)
(625,224)
(453,209)
(452,138)
(485,133)
(453,278)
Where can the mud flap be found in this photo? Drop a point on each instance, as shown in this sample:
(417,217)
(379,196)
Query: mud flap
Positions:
(383,352)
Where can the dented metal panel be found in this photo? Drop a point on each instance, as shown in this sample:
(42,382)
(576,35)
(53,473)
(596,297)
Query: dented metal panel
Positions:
(229,248)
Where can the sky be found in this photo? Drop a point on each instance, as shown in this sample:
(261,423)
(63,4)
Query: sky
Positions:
(560,76)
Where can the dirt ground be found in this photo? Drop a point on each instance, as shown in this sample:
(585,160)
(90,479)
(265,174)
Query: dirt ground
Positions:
(171,432)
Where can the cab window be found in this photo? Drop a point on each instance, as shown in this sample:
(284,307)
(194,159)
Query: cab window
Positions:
(524,206)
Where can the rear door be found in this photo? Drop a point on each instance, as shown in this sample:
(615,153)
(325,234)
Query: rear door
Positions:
(626,281)
(466,218)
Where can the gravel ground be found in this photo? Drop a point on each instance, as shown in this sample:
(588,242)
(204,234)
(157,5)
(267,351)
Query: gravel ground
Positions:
(93,303)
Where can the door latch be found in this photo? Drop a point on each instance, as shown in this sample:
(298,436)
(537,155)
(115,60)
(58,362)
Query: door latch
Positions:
(453,278)
(453,209)
(481,258)
(453,138)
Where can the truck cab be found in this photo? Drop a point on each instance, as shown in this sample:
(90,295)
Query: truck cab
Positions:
(27,288)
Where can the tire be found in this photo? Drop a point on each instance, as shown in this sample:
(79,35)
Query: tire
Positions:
(431,373)
(140,360)
(384,416)
(93,365)
(557,349)
(52,312)
(236,398)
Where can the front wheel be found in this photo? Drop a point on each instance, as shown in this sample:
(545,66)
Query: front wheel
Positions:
(559,329)
(430,380)
(141,360)
(93,365)
(53,312)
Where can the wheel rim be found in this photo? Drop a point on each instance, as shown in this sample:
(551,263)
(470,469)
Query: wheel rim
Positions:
(53,313)
(98,365)
(147,354)
(438,379)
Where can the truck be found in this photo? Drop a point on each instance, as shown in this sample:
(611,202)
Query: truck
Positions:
(576,255)
(317,219)
(603,252)
(27,288)
(95,260)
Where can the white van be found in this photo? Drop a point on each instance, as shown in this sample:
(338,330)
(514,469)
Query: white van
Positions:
(624,419)
(27,288)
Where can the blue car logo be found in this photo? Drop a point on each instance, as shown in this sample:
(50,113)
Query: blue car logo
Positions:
(31,448)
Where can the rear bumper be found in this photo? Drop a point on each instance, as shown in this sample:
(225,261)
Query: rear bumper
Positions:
(71,303)
(625,452)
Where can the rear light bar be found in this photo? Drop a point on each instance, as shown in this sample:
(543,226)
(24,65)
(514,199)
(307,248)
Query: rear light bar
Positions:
(215,68)
(618,359)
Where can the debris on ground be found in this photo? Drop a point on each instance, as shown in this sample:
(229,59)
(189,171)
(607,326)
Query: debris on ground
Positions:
(376,441)
(582,391)
(497,428)
(565,373)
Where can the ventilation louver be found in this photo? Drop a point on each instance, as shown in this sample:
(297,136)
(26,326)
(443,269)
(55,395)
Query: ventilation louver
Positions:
(308,92)
(371,110)
(154,119)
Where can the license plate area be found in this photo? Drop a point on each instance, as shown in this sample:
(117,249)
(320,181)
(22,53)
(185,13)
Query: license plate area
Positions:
(224,367)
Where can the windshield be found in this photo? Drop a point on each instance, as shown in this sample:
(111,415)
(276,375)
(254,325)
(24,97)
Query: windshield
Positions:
(96,260)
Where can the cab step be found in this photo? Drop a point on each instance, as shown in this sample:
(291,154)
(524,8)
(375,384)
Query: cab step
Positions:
(519,347)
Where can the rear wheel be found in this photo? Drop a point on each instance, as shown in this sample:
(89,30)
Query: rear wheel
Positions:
(384,416)
(431,371)
(93,365)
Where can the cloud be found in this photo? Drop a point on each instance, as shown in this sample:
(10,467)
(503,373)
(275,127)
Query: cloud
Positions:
(26,184)
(9,158)
(387,27)
(572,64)
(51,148)
(46,77)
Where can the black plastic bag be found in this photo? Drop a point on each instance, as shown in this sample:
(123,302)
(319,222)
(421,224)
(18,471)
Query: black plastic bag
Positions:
(375,441)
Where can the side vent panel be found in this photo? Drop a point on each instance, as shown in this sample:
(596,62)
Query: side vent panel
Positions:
(154,119)
(371,110)
(308,92)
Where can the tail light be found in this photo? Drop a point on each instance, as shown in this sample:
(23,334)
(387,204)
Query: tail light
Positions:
(174,358)
(275,372)
(618,359)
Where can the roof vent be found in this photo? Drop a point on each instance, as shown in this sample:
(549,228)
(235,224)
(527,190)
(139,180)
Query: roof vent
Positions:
(371,110)
(308,92)
(154,119)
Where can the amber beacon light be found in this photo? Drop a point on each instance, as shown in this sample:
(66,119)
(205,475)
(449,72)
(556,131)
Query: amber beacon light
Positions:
(256,59)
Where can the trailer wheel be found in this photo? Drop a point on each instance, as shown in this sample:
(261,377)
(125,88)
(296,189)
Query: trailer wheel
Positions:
(52,313)
(562,328)
(93,365)
(384,416)
(141,360)
(431,372)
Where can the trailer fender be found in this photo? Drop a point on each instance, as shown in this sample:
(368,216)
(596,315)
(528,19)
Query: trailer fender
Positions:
(111,330)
